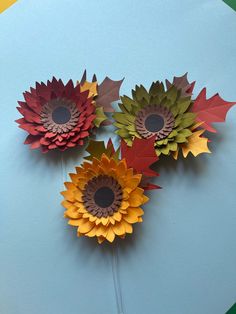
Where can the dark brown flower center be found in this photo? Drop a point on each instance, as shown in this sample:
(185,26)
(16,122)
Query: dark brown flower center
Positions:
(104,197)
(61,115)
(154,122)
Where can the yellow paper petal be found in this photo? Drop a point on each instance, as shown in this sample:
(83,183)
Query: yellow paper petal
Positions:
(145,199)
(85,226)
(78,195)
(136,197)
(74,214)
(133,182)
(121,167)
(98,221)
(75,222)
(128,227)
(111,220)
(104,221)
(118,228)
(132,216)
(67,204)
(124,205)
(69,195)
(92,232)
(126,193)
(110,235)
(86,215)
(81,184)
(105,163)
(137,210)
(70,186)
(81,208)
(117,216)
(101,231)
(100,239)
(74,177)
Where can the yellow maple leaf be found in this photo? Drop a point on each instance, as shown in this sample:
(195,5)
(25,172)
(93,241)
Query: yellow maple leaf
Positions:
(196,144)
(90,86)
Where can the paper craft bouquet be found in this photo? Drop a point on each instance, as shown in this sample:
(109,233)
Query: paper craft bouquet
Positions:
(171,115)
(58,115)
(105,196)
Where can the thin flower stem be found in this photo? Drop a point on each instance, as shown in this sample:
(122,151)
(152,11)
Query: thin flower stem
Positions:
(63,170)
(115,273)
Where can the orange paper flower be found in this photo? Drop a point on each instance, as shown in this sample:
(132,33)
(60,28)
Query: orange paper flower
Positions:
(105,196)
(104,199)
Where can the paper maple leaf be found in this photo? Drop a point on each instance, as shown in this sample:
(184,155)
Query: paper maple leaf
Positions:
(86,85)
(140,156)
(196,144)
(181,82)
(97,148)
(108,91)
(210,110)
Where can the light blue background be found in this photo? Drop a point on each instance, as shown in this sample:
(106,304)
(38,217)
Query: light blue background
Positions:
(182,259)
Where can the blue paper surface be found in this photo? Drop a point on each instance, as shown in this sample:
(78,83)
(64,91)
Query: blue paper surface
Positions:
(182,259)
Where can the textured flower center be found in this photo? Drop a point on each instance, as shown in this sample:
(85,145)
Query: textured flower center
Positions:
(61,115)
(154,120)
(154,123)
(102,196)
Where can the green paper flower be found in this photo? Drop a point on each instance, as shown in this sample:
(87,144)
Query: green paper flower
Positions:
(157,112)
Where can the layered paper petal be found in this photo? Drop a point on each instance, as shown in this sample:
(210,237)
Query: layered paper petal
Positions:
(60,115)
(169,114)
(104,198)
(57,115)
(159,113)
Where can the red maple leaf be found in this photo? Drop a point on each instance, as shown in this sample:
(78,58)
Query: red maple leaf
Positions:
(111,146)
(210,110)
(146,185)
(140,156)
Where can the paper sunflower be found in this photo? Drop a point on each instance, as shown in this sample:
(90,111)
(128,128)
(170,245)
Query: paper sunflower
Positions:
(170,115)
(58,115)
(105,196)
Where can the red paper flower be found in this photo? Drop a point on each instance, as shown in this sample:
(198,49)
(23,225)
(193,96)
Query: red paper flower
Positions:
(57,115)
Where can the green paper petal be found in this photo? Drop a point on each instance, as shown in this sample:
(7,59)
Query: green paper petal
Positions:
(180,138)
(122,133)
(186,132)
(156,88)
(120,117)
(184,104)
(100,116)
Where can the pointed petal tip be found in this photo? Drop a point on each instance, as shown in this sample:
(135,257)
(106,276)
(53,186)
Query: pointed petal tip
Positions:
(84,77)
(94,79)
